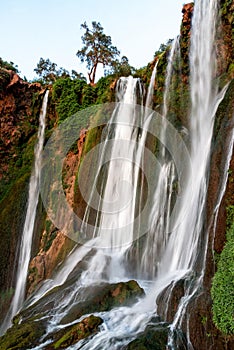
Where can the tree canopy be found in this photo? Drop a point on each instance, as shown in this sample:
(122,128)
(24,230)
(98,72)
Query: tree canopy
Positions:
(97,49)
(8,65)
(49,72)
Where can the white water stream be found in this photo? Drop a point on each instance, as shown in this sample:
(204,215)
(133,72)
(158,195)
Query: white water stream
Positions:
(27,235)
(170,251)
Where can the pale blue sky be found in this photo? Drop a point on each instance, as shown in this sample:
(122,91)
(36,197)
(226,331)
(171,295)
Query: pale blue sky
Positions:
(30,29)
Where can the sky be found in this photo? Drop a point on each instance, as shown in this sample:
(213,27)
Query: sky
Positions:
(30,29)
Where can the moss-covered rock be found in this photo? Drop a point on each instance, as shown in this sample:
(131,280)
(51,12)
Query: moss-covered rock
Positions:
(71,335)
(104,297)
(155,337)
(22,336)
(11,218)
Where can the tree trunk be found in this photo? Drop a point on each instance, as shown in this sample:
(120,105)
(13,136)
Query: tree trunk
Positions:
(92,74)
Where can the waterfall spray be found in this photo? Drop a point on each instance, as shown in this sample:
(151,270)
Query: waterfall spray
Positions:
(170,250)
(27,235)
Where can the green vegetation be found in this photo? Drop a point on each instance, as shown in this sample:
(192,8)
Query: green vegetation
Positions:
(71,96)
(8,65)
(48,72)
(22,336)
(223,282)
(73,334)
(97,49)
(67,95)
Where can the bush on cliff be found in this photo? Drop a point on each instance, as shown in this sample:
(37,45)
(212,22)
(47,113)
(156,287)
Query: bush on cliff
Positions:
(223,283)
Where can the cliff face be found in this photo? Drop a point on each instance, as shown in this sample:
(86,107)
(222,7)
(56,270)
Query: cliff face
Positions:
(185,32)
(199,318)
(54,245)
(203,333)
(17,120)
(225,39)
(19,109)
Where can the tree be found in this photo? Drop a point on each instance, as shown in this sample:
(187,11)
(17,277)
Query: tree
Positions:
(122,68)
(48,71)
(97,49)
(76,75)
(8,65)
(163,47)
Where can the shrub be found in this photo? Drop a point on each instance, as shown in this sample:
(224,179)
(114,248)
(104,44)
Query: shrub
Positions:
(222,290)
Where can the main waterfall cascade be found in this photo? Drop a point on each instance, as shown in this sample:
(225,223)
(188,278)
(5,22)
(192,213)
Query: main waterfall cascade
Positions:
(27,235)
(170,250)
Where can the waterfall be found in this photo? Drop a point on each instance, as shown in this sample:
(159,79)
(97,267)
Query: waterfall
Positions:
(175,47)
(173,248)
(27,235)
(149,98)
(185,247)
(157,237)
(182,248)
(117,204)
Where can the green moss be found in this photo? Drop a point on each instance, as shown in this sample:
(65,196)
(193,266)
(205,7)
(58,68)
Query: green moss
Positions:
(222,291)
(22,336)
(77,332)
(230,216)
(12,209)
(104,91)
(50,241)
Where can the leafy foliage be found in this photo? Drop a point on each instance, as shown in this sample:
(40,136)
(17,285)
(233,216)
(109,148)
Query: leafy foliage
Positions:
(67,95)
(104,91)
(97,49)
(8,65)
(71,96)
(223,283)
(121,68)
(163,47)
(49,72)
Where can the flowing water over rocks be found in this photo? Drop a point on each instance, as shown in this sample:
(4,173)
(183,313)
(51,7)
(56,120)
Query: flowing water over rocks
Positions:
(94,301)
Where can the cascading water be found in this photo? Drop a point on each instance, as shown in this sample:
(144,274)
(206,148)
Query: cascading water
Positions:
(27,235)
(150,93)
(170,249)
(157,237)
(175,48)
(184,246)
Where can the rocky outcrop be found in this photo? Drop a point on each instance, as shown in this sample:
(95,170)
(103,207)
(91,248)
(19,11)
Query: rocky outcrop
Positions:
(225,39)
(17,118)
(104,297)
(198,317)
(45,263)
(19,106)
(185,32)
(22,336)
(96,298)
(54,245)
(28,335)
(71,335)
(155,337)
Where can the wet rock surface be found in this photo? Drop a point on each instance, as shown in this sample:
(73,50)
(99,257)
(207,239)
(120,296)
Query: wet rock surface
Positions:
(72,334)
(96,298)
(155,337)
(105,297)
